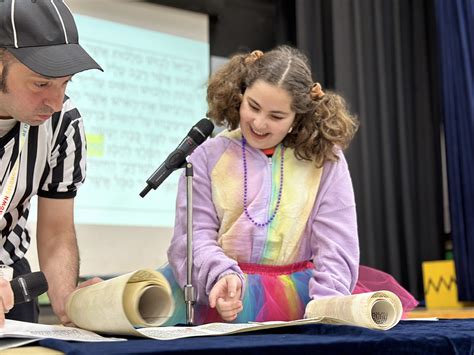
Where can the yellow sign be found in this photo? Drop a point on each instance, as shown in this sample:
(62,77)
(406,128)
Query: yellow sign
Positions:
(439,281)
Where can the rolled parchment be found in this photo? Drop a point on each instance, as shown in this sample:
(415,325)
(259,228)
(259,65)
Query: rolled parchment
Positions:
(142,298)
(375,310)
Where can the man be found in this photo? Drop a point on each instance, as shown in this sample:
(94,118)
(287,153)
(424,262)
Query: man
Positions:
(42,146)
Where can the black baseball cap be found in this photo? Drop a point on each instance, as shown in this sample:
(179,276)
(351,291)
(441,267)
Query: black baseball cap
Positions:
(42,35)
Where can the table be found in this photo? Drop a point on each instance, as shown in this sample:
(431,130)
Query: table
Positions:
(448,336)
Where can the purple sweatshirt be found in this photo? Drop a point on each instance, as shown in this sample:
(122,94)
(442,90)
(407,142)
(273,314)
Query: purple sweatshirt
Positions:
(316,219)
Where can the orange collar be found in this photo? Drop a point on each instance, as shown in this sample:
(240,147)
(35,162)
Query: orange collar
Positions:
(269,151)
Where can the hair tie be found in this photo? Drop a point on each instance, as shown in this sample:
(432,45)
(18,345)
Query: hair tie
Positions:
(253,57)
(316,91)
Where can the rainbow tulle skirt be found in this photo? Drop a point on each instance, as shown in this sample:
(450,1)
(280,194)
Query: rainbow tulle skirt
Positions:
(271,293)
(280,293)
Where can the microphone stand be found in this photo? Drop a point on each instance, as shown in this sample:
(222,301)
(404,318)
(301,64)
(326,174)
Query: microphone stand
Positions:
(189,295)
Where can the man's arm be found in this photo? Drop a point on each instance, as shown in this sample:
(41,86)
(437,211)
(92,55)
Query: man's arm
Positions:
(57,250)
(6,299)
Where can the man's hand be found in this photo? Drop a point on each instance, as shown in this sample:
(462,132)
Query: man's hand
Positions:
(6,299)
(62,314)
(225,297)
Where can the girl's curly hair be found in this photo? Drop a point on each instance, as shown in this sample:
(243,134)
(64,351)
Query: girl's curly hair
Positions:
(322,121)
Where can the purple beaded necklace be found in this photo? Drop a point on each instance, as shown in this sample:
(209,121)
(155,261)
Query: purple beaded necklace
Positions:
(244,160)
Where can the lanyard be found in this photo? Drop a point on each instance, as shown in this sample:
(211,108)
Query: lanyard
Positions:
(9,189)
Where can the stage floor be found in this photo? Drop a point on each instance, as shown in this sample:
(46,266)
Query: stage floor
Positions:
(448,313)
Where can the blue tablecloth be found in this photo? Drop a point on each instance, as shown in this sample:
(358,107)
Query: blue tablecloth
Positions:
(453,336)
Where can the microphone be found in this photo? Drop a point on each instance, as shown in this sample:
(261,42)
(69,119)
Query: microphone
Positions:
(177,158)
(29,286)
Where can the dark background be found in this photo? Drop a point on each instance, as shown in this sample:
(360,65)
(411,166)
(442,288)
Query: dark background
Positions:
(380,55)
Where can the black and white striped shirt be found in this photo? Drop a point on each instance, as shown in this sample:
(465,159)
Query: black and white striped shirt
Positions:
(52,165)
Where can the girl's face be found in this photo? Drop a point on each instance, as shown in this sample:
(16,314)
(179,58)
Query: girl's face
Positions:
(265,115)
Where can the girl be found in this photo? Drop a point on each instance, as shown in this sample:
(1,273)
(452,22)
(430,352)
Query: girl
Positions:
(273,204)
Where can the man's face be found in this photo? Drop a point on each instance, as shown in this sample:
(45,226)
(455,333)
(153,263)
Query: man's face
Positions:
(30,97)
